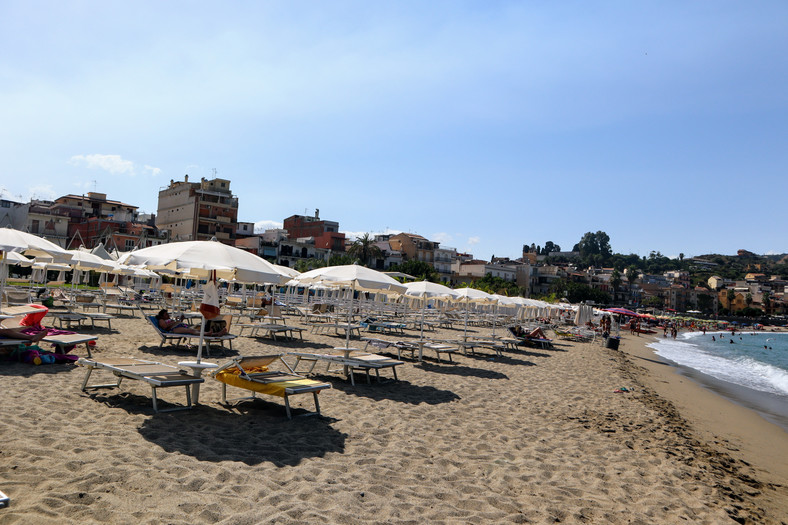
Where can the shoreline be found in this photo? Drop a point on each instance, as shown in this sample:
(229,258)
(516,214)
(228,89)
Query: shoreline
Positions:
(720,419)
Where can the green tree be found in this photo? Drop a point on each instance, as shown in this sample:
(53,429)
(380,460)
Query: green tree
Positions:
(767,302)
(594,248)
(418,269)
(365,250)
(550,247)
(578,292)
(705,303)
(304,265)
(748,299)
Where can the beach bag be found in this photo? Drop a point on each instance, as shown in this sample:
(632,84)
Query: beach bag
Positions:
(209,308)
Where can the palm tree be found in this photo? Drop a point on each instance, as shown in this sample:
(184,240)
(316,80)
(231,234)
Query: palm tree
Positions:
(365,250)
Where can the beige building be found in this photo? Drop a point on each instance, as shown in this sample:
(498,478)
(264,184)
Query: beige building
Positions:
(414,247)
(198,211)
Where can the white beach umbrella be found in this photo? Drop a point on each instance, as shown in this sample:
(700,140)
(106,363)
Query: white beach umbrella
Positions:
(82,260)
(472,295)
(12,240)
(425,290)
(199,259)
(355,277)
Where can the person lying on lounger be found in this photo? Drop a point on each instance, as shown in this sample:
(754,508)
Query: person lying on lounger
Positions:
(177,326)
(17,333)
(536,333)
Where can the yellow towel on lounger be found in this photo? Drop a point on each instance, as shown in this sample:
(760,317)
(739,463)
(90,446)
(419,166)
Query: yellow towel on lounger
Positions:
(233,377)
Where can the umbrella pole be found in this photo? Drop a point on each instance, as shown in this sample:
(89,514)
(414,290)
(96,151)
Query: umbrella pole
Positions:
(349,313)
(202,336)
(4,270)
(465,329)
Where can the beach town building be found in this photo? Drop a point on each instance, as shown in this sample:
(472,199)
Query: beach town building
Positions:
(40,218)
(198,211)
(414,247)
(389,257)
(678,277)
(88,220)
(244,229)
(12,213)
(716,282)
(95,220)
(291,251)
(325,234)
(444,258)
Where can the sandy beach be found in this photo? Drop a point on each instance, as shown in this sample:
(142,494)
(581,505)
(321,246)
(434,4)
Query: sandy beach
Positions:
(537,436)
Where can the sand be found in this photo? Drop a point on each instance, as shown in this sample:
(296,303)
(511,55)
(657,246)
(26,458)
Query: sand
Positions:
(538,436)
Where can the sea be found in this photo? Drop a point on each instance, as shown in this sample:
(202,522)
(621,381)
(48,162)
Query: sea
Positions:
(749,368)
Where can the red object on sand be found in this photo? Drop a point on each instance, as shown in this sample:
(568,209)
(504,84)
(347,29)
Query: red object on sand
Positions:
(34,319)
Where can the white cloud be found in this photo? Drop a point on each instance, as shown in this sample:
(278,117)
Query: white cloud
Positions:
(261,226)
(155,172)
(42,191)
(474,240)
(113,164)
(442,237)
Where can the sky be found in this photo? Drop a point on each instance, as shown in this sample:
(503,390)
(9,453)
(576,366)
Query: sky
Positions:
(482,125)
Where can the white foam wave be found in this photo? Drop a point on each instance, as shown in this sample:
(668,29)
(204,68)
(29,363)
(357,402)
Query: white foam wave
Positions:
(743,371)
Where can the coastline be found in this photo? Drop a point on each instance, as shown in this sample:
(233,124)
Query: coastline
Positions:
(734,427)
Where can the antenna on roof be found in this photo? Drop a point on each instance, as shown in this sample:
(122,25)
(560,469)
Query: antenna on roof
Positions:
(94,185)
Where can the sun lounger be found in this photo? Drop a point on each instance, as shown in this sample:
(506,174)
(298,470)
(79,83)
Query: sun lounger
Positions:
(270,330)
(350,359)
(67,320)
(157,375)
(413,347)
(66,340)
(122,309)
(253,373)
(180,339)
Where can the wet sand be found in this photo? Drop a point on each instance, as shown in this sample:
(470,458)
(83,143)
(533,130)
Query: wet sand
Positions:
(537,436)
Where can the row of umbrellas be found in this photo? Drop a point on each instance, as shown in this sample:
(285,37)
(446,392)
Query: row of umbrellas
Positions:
(204,259)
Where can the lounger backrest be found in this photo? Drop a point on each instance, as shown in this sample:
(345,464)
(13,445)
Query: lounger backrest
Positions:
(154,322)
(252,362)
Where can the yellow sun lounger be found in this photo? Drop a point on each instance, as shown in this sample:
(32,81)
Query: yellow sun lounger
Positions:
(157,375)
(253,373)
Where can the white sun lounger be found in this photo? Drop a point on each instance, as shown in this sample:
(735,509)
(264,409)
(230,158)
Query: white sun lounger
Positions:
(157,375)
(351,359)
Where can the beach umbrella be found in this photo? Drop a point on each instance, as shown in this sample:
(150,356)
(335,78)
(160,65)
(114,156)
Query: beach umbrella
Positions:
(82,260)
(425,290)
(203,260)
(12,240)
(472,295)
(355,277)
(621,311)
(198,258)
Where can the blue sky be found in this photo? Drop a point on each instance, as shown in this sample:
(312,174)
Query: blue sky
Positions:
(483,125)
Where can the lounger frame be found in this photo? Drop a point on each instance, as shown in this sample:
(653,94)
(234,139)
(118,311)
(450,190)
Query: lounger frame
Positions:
(157,375)
(244,363)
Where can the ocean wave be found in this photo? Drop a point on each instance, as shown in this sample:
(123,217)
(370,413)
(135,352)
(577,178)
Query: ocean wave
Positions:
(740,370)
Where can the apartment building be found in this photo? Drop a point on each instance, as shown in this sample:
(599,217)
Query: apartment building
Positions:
(198,211)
